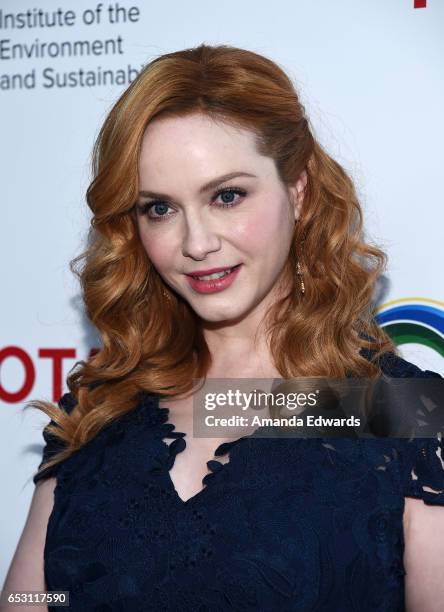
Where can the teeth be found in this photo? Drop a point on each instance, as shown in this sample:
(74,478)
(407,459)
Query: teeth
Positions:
(214,276)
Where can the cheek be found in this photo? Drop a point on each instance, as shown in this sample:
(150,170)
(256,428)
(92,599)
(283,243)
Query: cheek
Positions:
(268,227)
(155,248)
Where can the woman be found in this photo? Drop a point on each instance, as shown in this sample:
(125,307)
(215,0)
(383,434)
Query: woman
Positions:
(207,164)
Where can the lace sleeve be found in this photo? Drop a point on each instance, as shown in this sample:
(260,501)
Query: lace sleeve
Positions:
(52,444)
(423,473)
(422,463)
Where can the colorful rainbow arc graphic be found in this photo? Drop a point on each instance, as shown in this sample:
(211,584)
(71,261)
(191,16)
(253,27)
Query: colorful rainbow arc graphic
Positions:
(417,320)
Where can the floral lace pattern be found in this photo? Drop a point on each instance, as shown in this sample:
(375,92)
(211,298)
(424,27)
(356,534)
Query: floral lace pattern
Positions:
(285,524)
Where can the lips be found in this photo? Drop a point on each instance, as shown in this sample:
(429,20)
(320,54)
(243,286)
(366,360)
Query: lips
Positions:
(210,271)
(216,284)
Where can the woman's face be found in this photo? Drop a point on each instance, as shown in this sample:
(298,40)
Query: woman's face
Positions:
(188,226)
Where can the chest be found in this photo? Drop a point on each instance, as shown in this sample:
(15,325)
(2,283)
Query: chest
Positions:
(191,464)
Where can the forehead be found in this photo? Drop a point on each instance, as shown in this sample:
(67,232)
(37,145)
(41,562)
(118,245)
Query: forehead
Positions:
(195,125)
(197,145)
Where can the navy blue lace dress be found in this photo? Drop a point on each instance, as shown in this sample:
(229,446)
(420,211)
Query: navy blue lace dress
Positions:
(287,524)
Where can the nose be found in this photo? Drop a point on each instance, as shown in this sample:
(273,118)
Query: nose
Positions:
(200,238)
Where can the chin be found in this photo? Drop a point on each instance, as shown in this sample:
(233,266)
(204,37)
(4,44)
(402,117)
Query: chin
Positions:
(219,314)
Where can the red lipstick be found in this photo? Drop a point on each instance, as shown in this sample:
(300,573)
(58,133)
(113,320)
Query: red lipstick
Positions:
(208,271)
(213,285)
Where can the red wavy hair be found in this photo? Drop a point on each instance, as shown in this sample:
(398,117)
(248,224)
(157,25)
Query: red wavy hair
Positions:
(158,346)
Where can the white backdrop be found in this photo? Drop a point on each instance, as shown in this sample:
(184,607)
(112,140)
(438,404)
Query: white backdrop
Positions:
(370,75)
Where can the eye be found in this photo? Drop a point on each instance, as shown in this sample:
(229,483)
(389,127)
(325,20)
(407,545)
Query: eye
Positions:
(227,194)
(158,206)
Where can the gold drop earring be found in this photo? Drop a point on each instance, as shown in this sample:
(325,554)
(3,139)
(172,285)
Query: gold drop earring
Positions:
(166,295)
(301,277)
(299,267)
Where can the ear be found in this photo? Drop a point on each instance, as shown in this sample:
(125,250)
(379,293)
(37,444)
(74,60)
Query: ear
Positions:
(297,192)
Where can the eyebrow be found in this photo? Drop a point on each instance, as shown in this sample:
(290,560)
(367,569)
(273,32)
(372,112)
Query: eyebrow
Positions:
(207,187)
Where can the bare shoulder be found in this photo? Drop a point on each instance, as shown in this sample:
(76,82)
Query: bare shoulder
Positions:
(26,571)
(424,537)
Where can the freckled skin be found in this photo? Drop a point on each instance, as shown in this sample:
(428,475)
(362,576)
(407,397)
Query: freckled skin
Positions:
(178,156)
